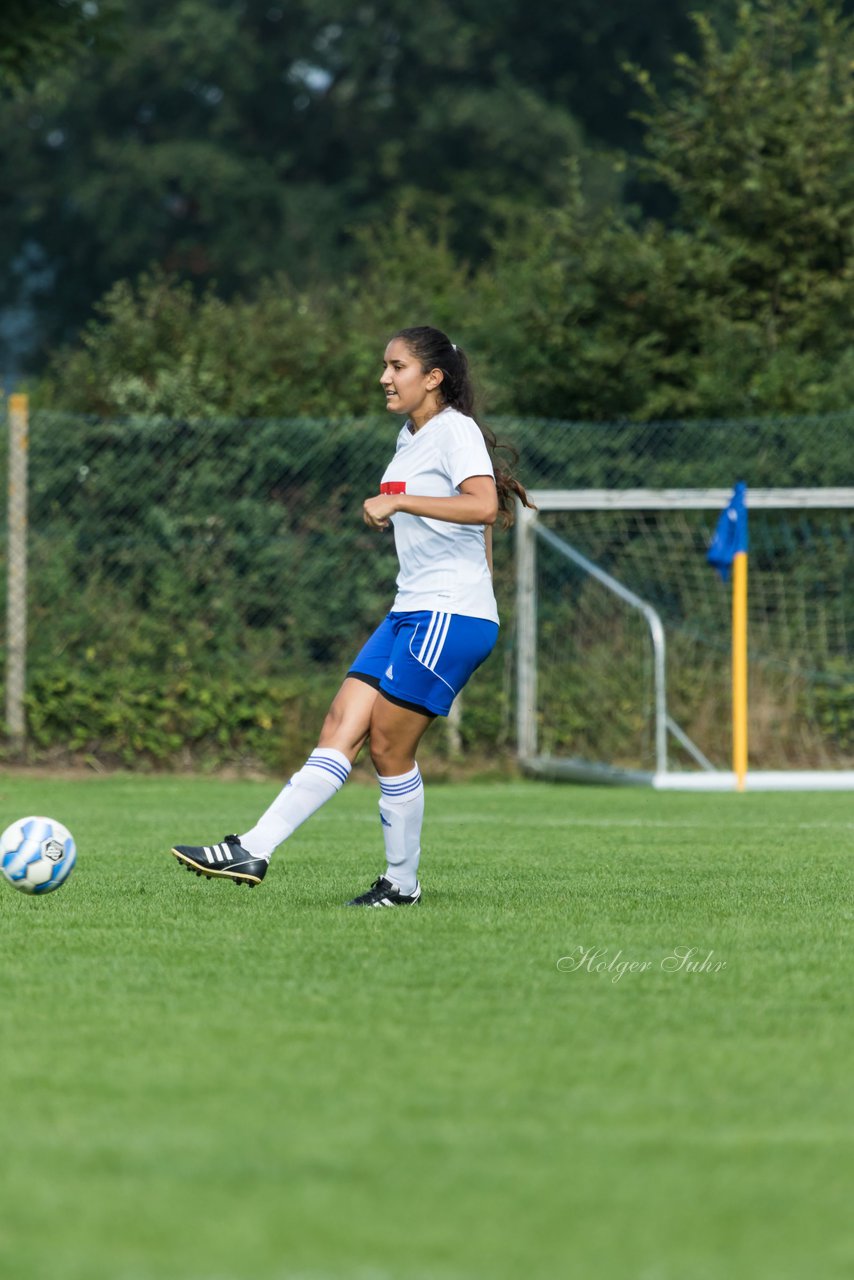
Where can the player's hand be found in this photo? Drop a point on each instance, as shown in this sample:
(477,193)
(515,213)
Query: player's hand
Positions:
(377,511)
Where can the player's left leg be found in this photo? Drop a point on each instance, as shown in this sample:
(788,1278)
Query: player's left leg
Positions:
(394,736)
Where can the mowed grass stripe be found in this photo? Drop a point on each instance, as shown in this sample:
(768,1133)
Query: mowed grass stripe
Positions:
(208,1082)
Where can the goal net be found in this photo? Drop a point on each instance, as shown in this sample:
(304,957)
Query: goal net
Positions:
(624,638)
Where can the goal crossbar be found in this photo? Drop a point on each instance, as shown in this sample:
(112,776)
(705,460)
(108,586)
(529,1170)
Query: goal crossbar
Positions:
(684,499)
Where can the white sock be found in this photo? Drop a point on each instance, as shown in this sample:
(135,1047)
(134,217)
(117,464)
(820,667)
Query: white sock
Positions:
(324,772)
(402,813)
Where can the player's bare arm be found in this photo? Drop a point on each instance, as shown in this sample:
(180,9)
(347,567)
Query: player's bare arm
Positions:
(476,503)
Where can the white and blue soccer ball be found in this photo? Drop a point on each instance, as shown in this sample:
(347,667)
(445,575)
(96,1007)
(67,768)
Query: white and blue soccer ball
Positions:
(37,855)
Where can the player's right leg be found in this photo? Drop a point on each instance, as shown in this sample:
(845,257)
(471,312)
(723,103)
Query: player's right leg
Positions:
(244,859)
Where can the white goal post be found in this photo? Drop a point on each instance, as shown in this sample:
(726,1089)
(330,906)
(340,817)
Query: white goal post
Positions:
(620,594)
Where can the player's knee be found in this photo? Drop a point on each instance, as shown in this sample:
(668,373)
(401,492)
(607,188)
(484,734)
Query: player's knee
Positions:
(382,751)
(386,752)
(333,720)
(344,727)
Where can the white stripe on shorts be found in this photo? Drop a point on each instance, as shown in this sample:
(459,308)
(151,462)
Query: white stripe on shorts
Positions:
(431,626)
(439,641)
(432,639)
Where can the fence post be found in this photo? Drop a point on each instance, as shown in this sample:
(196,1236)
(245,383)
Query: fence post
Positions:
(16,594)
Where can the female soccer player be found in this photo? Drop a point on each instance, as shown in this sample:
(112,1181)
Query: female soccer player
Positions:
(441,492)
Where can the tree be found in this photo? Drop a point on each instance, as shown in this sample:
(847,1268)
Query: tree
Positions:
(742,303)
(227,141)
(155,348)
(745,300)
(36,39)
(756,147)
(230,139)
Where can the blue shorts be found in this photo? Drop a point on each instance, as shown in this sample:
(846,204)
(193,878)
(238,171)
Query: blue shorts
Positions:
(421,660)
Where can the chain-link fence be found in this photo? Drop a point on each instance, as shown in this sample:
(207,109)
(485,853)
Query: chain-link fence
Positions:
(196,589)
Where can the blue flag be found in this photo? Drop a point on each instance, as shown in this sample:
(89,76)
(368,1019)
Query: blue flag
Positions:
(730,535)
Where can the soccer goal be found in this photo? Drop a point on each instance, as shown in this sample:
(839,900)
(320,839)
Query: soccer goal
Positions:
(624,639)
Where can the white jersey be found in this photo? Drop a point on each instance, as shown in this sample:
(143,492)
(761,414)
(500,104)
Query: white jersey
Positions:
(443,566)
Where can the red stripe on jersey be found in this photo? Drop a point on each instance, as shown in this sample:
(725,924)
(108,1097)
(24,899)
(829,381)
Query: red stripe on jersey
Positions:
(393,486)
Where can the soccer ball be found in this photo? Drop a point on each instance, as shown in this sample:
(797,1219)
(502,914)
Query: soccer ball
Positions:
(37,855)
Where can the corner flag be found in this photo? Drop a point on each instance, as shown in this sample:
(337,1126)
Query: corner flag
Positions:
(730,535)
(729,551)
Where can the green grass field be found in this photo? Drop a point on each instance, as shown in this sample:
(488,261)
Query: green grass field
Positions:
(201,1082)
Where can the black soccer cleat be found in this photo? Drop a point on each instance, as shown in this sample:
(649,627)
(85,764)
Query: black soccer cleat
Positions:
(228,860)
(383,893)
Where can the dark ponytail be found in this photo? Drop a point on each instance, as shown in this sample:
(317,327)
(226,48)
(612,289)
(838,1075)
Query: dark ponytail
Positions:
(435,350)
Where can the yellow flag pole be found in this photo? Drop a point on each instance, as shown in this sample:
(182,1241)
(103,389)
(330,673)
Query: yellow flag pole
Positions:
(739,668)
